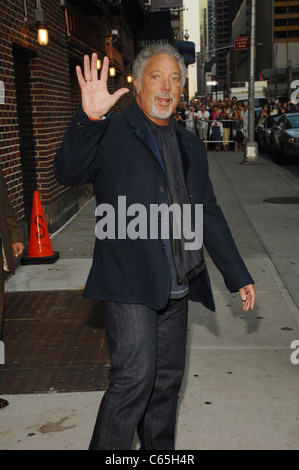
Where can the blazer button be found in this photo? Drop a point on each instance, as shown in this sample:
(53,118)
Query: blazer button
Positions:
(163,247)
(162,189)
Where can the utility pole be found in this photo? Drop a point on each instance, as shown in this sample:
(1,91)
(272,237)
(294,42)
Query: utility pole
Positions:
(251,148)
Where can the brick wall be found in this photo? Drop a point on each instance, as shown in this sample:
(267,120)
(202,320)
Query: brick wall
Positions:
(41,96)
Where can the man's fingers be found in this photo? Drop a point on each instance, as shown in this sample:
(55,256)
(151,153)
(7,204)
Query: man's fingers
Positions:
(96,99)
(119,93)
(105,68)
(94,68)
(80,77)
(86,66)
(248,296)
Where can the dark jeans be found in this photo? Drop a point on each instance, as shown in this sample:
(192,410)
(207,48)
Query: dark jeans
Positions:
(148,360)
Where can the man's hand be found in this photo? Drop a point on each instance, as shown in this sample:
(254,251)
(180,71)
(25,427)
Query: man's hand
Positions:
(96,100)
(248,295)
(17,248)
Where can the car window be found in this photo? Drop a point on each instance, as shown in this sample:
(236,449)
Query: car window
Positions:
(287,124)
(293,120)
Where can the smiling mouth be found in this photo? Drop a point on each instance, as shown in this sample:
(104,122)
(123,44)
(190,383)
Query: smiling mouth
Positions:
(164,102)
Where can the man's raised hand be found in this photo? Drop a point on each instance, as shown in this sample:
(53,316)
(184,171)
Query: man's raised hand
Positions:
(96,99)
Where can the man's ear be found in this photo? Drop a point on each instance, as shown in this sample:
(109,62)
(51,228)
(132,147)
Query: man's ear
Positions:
(136,85)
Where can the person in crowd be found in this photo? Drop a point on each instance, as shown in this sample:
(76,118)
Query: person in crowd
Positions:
(178,116)
(216,132)
(11,244)
(144,282)
(208,103)
(234,102)
(225,119)
(284,108)
(279,108)
(245,121)
(190,117)
(240,108)
(179,113)
(238,129)
(229,107)
(272,110)
(263,116)
(292,107)
(203,117)
(184,107)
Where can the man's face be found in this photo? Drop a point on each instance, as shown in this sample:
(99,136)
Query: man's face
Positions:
(160,90)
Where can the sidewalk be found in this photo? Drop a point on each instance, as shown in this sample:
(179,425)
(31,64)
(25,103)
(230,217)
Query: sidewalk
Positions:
(240,389)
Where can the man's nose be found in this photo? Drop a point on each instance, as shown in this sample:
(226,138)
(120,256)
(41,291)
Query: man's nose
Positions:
(166,85)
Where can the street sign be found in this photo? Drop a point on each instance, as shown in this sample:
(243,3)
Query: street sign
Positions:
(241,43)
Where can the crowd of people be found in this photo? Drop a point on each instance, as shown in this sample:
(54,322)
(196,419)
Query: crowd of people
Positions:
(223,124)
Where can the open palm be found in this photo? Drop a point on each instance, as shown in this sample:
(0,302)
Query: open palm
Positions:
(96,99)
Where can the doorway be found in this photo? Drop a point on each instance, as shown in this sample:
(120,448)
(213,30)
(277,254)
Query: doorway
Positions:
(25,120)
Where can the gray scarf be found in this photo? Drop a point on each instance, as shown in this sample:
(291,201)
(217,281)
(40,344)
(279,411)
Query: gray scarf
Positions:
(188,263)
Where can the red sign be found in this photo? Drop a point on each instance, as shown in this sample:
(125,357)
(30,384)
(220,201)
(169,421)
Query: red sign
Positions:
(241,43)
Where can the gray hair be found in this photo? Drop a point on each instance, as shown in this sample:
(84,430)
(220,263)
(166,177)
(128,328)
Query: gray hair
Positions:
(145,54)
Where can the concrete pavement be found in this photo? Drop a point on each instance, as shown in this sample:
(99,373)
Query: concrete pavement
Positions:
(240,389)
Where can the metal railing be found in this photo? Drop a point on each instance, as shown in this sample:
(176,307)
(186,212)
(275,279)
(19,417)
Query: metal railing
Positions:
(229,124)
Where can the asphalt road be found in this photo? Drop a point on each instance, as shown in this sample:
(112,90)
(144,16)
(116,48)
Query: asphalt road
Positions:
(292,165)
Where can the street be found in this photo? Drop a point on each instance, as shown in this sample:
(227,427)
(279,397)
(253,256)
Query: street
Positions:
(292,165)
(240,389)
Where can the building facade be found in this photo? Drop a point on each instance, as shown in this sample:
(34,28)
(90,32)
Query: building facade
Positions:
(39,90)
(277,38)
(225,12)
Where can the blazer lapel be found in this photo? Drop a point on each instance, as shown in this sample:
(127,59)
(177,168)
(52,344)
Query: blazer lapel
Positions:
(143,132)
(149,140)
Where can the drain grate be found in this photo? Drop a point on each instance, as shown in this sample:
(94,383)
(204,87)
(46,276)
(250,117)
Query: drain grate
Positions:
(54,341)
(283,200)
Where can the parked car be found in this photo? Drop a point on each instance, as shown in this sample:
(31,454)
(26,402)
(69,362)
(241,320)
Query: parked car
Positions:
(263,133)
(259,102)
(285,136)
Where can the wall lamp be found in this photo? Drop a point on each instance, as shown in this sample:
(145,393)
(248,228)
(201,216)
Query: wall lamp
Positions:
(112,71)
(40,24)
(114,36)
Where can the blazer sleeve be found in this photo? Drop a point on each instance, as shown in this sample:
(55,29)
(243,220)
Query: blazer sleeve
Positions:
(220,244)
(78,160)
(14,231)
(9,227)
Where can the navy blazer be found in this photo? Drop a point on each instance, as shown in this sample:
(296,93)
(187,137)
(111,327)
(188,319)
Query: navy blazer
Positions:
(120,157)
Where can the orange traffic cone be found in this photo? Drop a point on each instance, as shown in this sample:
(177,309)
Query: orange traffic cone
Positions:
(39,248)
